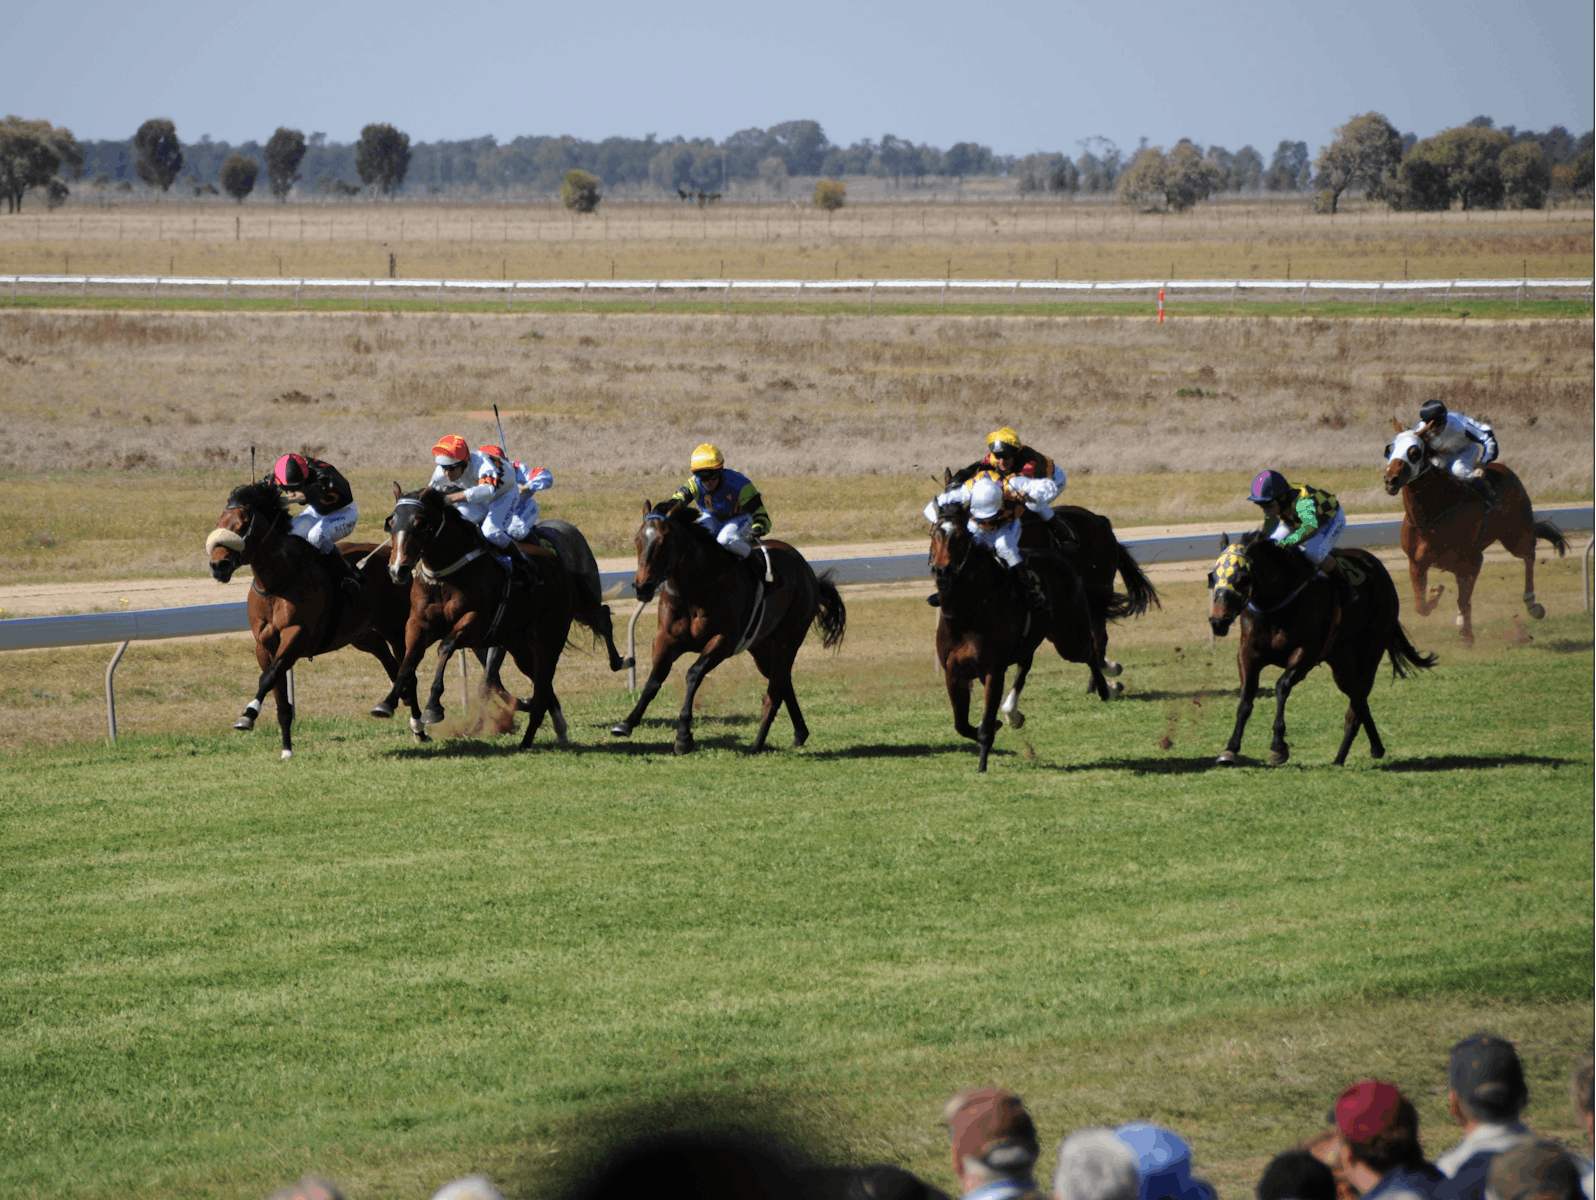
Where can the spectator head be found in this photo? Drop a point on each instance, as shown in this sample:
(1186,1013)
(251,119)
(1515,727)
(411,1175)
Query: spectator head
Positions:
(1580,1094)
(1163,1163)
(991,1135)
(1379,1126)
(1488,1080)
(1094,1164)
(1535,1170)
(308,1188)
(1296,1175)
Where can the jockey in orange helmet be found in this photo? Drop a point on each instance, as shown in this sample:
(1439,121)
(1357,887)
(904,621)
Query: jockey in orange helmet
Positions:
(487,494)
(329,515)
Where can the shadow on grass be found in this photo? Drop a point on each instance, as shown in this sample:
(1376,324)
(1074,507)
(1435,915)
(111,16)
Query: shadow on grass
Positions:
(1462,762)
(670,722)
(1166,765)
(1568,645)
(900,750)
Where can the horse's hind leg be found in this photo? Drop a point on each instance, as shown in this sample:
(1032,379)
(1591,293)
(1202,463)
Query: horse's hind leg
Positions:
(1109,666)
(777,669)
(987,733)
(1467,576)
(604,626)
(959,699)
(665,655)
(1535,610)
(1419,575)
(714,654)
(1357,684)
(1279,752)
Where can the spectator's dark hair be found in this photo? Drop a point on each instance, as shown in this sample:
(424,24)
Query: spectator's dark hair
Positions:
(1397,1145)
(1580,1092)
(1296,1175)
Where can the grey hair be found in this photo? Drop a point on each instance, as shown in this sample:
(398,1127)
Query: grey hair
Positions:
(1093,1164)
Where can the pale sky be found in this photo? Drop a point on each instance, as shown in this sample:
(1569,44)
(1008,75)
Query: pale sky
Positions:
(1017,75)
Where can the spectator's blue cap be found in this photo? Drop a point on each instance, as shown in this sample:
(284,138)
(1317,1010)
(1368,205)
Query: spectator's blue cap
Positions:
(1163,1162)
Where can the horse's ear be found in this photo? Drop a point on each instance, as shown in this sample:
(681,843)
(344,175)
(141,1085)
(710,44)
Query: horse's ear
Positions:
(1224,542)
(947,478)
(1397,426)
(397,490)
(647,507)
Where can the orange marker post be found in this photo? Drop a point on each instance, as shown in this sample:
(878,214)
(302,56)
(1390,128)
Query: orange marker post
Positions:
(1160,306)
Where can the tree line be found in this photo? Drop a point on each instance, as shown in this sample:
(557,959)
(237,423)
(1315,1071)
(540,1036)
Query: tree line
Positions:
(1476,164)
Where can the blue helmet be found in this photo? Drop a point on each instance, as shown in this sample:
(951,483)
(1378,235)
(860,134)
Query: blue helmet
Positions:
(1269,487)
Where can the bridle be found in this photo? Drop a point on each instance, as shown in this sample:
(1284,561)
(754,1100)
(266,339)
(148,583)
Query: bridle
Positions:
(251,534)
(948,528)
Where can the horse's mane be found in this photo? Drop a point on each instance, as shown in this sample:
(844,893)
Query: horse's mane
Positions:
(680,514)
(432,497)
(259,495)
(1262,549)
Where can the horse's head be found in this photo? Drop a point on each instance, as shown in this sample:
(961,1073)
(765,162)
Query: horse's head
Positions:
(659,541)
(1230,583)
(950,539)
(411,527)
(253,513)
(1406,457)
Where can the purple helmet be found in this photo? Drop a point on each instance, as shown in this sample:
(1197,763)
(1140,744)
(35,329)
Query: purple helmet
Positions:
(1268,487)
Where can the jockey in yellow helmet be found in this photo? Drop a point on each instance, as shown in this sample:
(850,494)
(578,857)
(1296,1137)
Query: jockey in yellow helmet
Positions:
(995,504)
(729,505)
(1007,455)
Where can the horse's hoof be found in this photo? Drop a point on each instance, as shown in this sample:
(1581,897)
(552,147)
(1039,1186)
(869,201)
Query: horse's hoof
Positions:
(1016,719)
(686,747)
(620,729)
(1376,751)
(1538,611)
(244,724)
(1460,620)
(626,664)
(1111,668)
(1116,688)
(432,716)
(1227,758)
(288,754)
(799,739)
(382,710)
(1278,757)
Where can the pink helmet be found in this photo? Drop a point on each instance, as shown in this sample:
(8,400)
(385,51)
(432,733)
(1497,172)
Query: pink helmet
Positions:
(291,470)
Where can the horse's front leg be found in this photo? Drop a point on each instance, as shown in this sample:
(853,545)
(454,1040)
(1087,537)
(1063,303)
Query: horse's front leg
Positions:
(666,651)
(958,685)
(987,733)
(1250,668)
(274,663)
(604,626)
(716,651)
(417,639)
(1536,611)
(1467,575)
(1010,707)
(1419,576)
(433,713)
(1278,750)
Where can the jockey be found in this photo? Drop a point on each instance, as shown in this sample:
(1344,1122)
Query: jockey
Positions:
(729,505)
(1460,444)
(1007,456)
(1305,517)
(329,515)
(523,516)
(488,502)
(995,502)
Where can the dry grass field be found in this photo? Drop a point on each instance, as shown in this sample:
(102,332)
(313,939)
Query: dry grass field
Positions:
(127,429)
(1254,238)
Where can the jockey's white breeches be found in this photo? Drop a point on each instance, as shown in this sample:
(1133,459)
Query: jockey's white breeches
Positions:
(523,516)
(323,532)
(497,516)
(1003,541)
(1317,547)
(731,533)
(1464,462)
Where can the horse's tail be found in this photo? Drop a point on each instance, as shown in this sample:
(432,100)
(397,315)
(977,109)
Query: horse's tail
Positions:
(1142,592)
(1110,606)
(1404,656)
(1550,533)
(831,614)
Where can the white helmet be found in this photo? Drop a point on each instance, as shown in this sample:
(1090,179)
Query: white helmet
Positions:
(986,497)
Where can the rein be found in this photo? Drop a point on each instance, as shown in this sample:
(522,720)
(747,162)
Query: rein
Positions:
(1252,605)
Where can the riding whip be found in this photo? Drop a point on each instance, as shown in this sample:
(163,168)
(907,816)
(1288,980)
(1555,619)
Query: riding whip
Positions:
(502,444)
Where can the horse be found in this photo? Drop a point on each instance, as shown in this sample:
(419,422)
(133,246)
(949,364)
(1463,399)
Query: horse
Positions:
(1291,618)
(462,598)
(1445,525)
(983,624)
(1097,557)
(715,605)
(295,610)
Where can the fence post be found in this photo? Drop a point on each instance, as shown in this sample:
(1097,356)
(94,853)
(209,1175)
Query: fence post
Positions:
(1584,573)
(1014,300)
(725,300)
(581,300)
(1447,301)
(1233,288)
(944,294)
(440,295)
(155,292)
(13,291)
(85,293)
(1377,292)
(653,296)
(870,304)
(368,295)
(509,301)
(110,693)
(297,288)
(226,288)
(1305,297)
(465,690)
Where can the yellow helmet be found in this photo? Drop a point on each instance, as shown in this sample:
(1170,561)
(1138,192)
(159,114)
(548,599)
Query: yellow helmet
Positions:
(1004,437)
(708,458)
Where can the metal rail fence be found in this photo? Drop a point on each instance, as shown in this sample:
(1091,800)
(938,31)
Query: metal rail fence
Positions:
(1036,290)
(90,629)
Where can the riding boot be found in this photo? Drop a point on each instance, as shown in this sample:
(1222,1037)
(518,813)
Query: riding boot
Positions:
(1062,533)
(1330,568)
(1032,591)
(344,575)
(520,562)
(1482,488)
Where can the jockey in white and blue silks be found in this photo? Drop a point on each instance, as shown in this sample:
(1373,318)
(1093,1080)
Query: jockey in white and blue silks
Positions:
(1461,445)
(329,515)
(522,515)
(995,505)
(489,501)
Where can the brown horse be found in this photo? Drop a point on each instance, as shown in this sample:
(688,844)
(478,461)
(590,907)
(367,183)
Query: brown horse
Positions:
(1291,618)
(1445,526)
(1097,557)
(462,598)
(984,624)
(716,605)
(295,610)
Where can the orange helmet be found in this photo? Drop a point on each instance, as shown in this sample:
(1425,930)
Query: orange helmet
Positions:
(495,451)
(450,450)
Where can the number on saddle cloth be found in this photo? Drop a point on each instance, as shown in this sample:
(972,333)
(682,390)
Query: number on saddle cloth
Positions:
(1351,568)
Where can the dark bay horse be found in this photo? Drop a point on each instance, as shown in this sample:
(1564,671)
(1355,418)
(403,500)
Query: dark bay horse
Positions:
(716,605)
(461,598)
(295,610)
(983,625)
(1291,618)
(1097,556)
(1445,526)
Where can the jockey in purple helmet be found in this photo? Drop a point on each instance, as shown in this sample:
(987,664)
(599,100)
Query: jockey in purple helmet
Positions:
(1306,517)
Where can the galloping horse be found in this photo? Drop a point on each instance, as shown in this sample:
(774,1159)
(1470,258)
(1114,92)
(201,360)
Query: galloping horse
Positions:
(712,603)
(1445,525)
(1097,557)
(983,625)
(461,597)
(1290,618)
(295,610)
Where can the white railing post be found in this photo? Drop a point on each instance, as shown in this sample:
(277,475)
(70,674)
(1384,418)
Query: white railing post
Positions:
(509,301)
(725,300)
(110,693)
(1584,573)
(297,288)
(440,295)
(870,304)
(581,300)
(155,292)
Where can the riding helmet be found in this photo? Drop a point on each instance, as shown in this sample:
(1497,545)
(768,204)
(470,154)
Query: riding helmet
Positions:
(493,451)
(450,451)
(1003,439)
(707,458)
(1268,487)
(1432,410)
(291,470)
(986,496)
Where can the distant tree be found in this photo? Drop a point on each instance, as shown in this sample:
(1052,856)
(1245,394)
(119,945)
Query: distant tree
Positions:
(382,156)
(801,144)
(1526,176)
(101,181)
(1063,179)
(1288,170)
(671,167)
(1365,149)
(32,155)
(1143,180)
(238,176)
(830,194)
(892,157)
(1099,166)
(56,193)
(1224,163)
(1579,171)
(1422,183)
(284,153)
(579,191)
(160,155)
(773,174)
(1248,169)
(1180,178)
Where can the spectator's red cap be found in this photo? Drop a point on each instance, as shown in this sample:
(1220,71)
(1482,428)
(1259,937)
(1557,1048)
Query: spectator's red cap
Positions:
(1366,1109)
(991,1125)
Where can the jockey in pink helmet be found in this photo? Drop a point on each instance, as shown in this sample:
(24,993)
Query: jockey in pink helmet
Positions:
(329,515)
